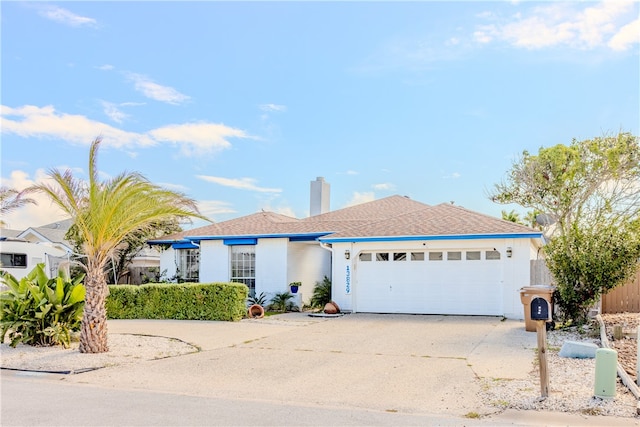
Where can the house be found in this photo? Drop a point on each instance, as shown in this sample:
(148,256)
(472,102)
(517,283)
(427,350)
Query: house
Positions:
(21,250)
(392,255)
(50,238)
(18,257)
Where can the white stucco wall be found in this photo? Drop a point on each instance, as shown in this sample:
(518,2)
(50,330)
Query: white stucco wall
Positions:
(214,261)
(168,263)
(515,270)
(271,266)
(308,263)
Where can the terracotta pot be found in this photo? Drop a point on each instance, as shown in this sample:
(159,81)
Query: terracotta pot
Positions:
(329,308)
(336,305)
(256,311)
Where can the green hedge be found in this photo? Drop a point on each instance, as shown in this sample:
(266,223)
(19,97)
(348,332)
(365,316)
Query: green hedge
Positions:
(183,301)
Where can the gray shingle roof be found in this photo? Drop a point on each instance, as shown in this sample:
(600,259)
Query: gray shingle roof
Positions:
(387,217)
(443,219)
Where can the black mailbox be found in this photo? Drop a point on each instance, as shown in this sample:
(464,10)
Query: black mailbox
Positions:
(539,309)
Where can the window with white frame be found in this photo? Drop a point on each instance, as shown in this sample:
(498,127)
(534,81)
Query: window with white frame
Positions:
(243,266)
(188,265)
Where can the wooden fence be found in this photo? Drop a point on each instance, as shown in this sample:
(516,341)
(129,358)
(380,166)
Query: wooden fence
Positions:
(625,298)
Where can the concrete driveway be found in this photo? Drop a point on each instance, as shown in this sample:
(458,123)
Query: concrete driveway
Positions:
(393,363)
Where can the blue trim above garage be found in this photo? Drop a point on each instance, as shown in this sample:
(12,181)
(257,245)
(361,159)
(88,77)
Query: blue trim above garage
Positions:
(440,237)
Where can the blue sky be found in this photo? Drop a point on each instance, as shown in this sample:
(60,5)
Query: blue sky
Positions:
(241,104)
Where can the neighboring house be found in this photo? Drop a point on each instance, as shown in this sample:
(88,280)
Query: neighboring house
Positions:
(18,257)
(21,250)
(53,236)
(393,255)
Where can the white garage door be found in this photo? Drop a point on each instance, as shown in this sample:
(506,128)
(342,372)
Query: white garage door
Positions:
(435,282)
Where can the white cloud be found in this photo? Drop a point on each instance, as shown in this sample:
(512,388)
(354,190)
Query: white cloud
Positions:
(454,175)
(198,138)
(150,89)
(273,107)
(45,122)
(359,198)
(210,208)
(626,37)
(384,187)
(64,16)
(30,215)
(239,184)
(282,210)
(174,187)
(112,111)
(105,67)
(561,24)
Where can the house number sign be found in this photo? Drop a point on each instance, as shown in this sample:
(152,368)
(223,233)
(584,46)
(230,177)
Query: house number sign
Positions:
(347,281)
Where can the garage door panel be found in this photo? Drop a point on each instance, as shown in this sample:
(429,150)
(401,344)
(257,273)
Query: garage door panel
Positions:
(429,287)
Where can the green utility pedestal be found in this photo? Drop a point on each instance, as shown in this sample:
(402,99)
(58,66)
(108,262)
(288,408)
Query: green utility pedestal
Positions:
(606,373)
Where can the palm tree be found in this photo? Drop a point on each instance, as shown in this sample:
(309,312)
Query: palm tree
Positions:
(11,199)
(104,214)
(512,216)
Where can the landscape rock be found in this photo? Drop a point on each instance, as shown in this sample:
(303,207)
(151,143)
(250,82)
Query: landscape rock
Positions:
(578,350)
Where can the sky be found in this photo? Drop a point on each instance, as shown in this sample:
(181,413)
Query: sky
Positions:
(240,105)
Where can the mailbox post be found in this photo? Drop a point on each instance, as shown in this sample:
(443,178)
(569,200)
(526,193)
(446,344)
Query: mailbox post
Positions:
(541,314)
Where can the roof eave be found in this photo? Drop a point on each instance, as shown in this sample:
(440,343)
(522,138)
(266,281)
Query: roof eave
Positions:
(354,239)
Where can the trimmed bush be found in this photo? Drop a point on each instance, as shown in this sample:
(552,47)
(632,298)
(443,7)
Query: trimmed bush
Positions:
(182,301)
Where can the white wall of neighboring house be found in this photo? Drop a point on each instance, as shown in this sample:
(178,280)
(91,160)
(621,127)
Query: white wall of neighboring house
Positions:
(483,287)
(35,253)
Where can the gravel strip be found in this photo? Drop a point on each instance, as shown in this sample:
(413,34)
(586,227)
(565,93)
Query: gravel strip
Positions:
(123,349)
(571,385)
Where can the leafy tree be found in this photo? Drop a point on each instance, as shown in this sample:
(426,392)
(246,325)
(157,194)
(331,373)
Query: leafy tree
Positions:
(105,213)
(586,182)
(589,192)
(130,246)
(11,199)
(587,263)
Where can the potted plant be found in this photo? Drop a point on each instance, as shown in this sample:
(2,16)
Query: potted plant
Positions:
(294,287)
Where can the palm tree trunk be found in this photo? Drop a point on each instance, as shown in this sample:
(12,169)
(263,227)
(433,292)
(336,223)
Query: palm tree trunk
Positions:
(93,330)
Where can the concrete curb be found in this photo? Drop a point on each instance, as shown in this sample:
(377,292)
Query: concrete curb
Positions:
(626,379)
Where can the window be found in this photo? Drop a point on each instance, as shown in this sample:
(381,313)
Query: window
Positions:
(454,256)
(399,256)
(417,256)
(11,260)
(473,255)
(189,265)
(243,266)
(490,255)
(365,256)
(382,256)
(435,256)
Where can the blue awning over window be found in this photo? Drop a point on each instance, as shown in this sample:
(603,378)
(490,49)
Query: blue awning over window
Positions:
(184,245)
(241,241)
